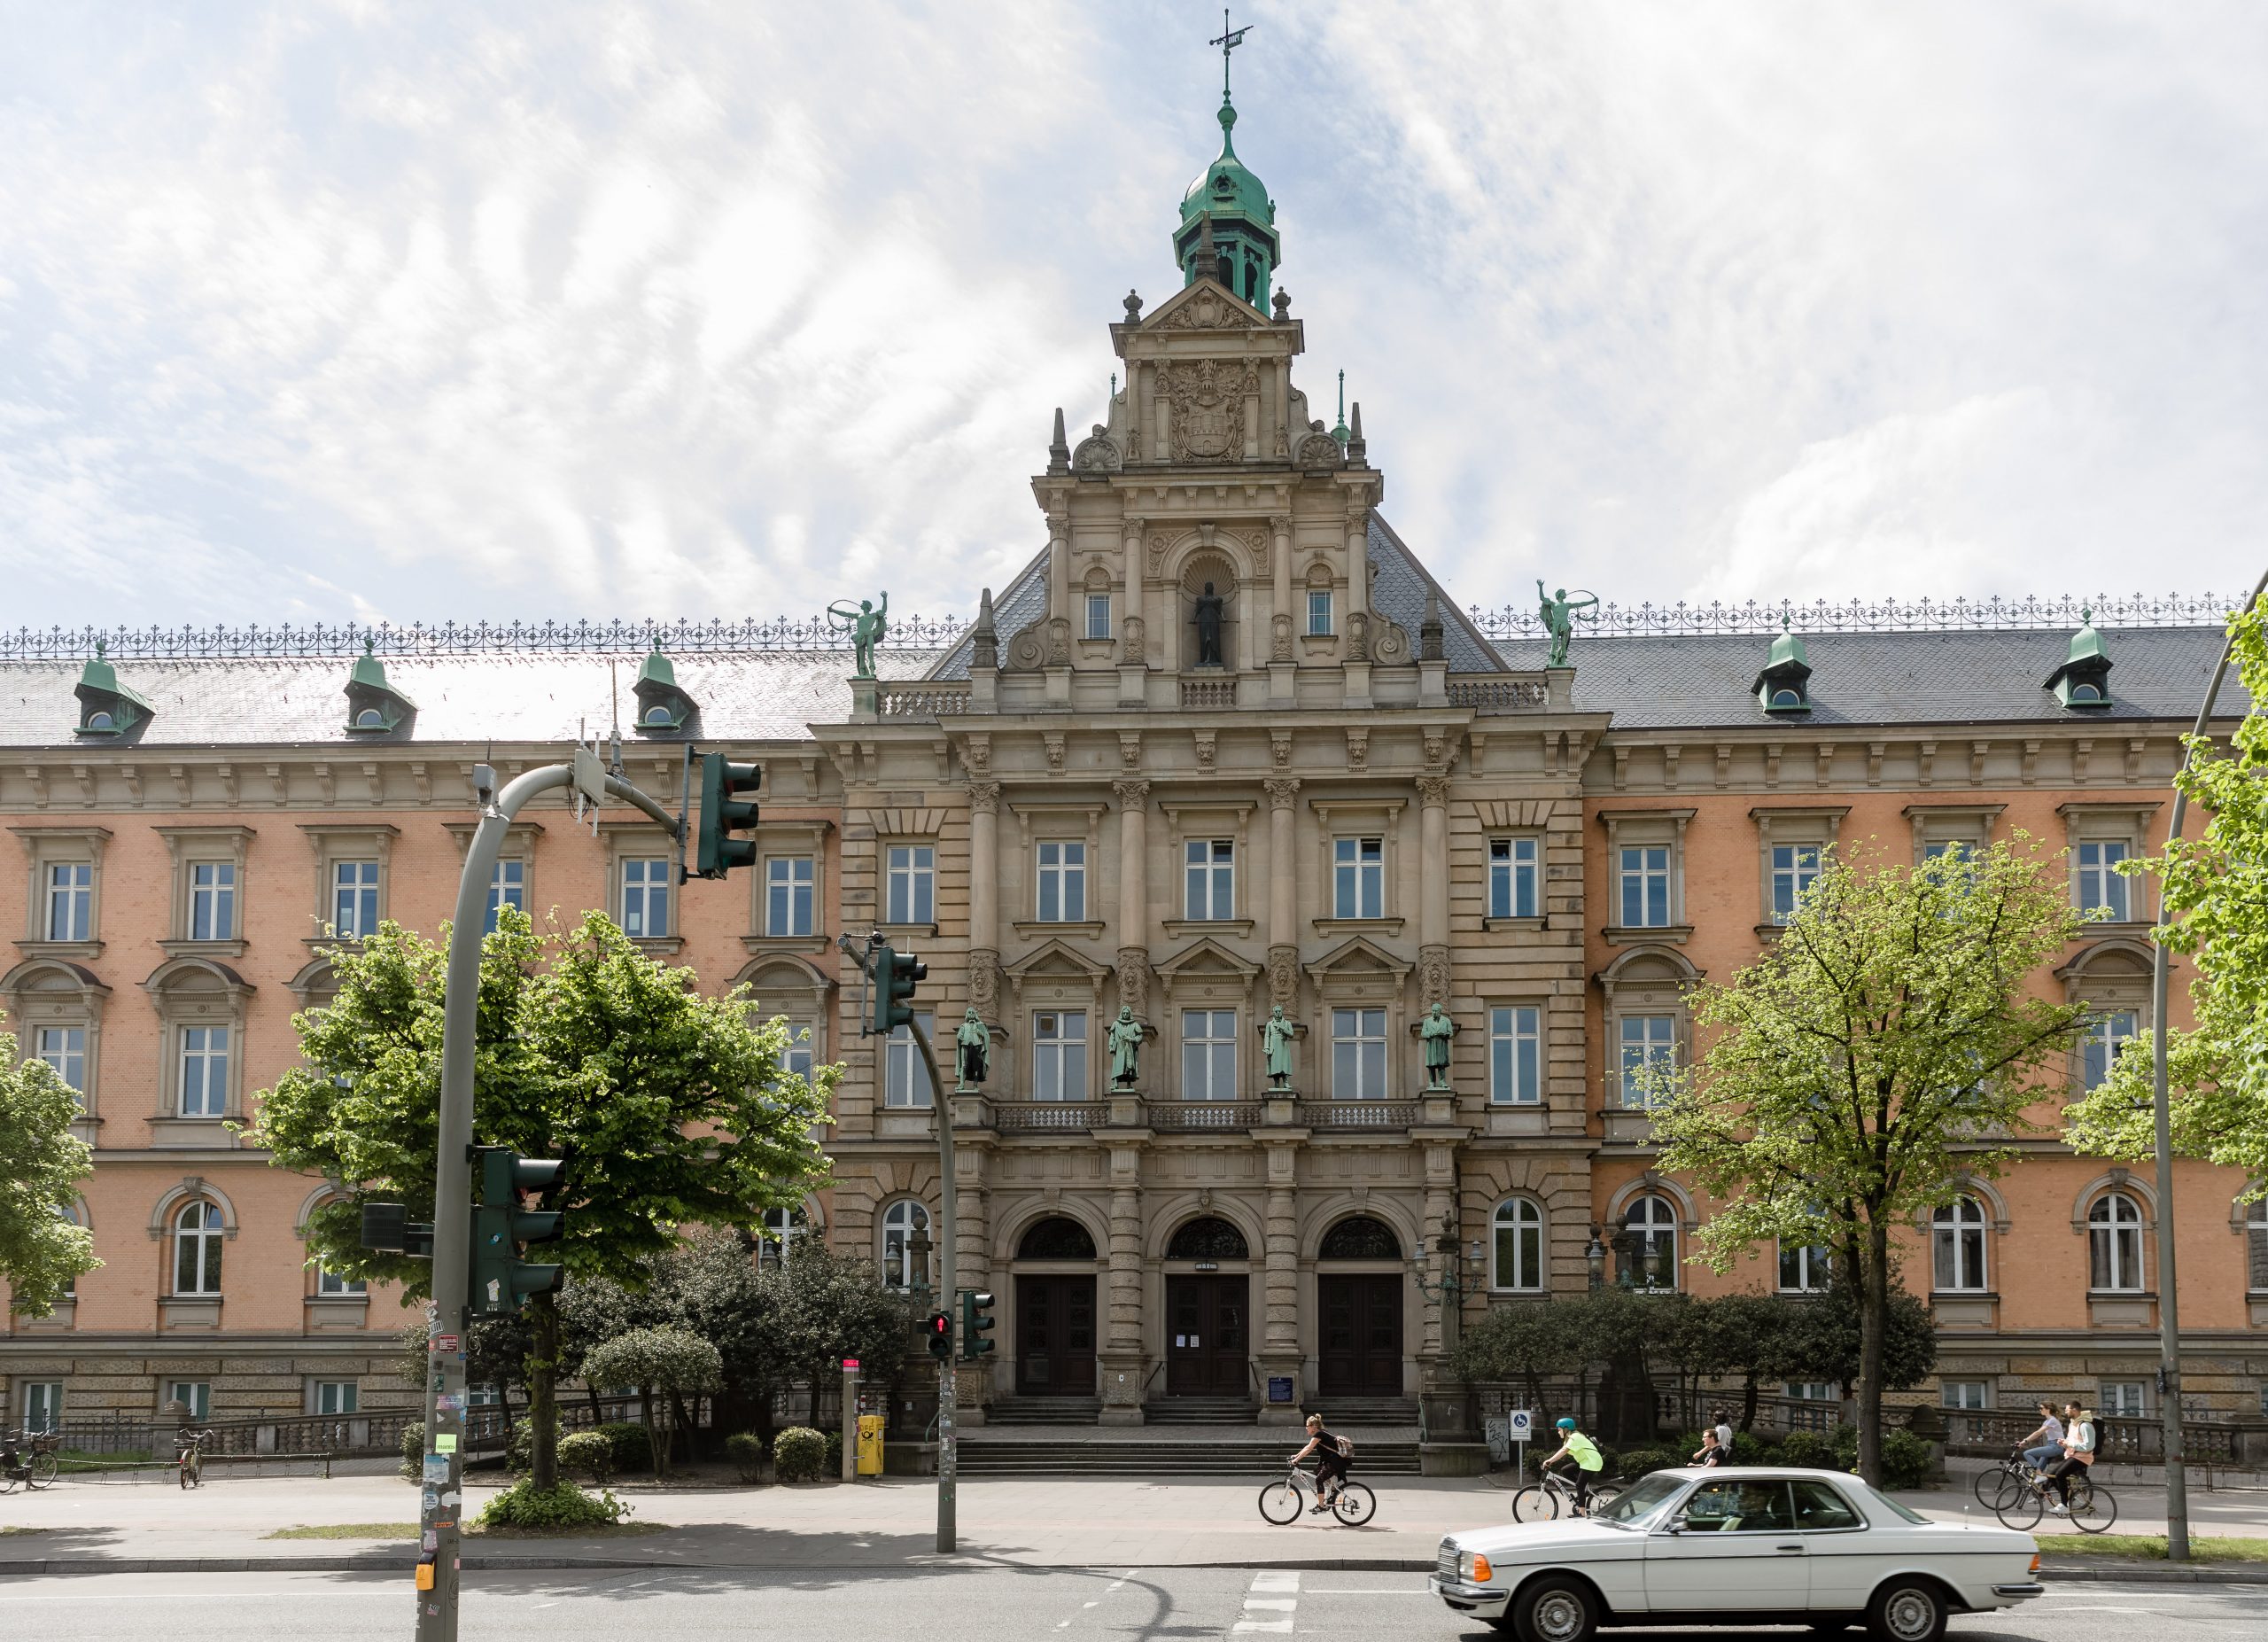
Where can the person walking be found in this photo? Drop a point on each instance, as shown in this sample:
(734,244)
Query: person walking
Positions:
(2078,1447)
(1724,1430)
(2046,1442)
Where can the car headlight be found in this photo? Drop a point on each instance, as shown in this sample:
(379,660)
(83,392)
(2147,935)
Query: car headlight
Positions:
(1474,1569)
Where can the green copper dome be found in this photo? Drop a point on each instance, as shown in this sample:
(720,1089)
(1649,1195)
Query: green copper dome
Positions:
(1229,206)
(1226,187)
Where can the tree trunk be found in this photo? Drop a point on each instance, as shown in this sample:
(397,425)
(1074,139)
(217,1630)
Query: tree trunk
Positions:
(1873,1316)
(682,1420)
(1748,1403)
(543,1401)
(653,1439)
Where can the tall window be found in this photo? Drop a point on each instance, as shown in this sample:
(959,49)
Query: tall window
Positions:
(1957,1248)
(508,886)
(646,898)
(2115,1244)
(42,1403)
(912,895)
(2107,1034)
(194,1394)
(906,1080)
(1651,1222)
(1649,1046)
(338,1396)
(1643,877)
(70,902)
(204,1071)
(2255,1247)
(197,1233)
(353,899)
(1097,615)
(788,895)
(1358,1054)
(2101,889)
(900,1221)
(212,901)
(798,1059)
(1512,877)
(781,1228)
(329,1282)
(1063,882)
(1318,611)
(1803,1268)
(1519,1246)
(1358,877)
(1794,866)
(1516,1055)
(1965,1394)
(1058,1054)
(1208,1054)
(1209,879)
(64,1050)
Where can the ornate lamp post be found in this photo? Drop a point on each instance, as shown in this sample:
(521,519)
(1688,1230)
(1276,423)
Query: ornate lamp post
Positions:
(916,1256)
(1595,1260)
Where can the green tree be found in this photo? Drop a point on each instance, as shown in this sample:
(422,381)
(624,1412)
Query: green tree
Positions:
(1526,1341)
(2215,892)
(42,1250)
(1885,1047)
(669,1107)
(663,1364)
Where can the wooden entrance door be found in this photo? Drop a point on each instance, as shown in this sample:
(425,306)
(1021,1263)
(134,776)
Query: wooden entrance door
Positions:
(1055,1336)
(1360,1352)
(1208,1352)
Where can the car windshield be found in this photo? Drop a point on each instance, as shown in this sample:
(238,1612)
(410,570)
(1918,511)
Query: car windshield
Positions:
(1641,1501)
(1911,1516)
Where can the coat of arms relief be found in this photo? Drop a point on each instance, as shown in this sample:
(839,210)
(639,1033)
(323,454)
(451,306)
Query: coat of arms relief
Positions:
(1208,397)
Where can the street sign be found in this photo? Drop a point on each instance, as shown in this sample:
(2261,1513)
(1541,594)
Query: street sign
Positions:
(1520,1424)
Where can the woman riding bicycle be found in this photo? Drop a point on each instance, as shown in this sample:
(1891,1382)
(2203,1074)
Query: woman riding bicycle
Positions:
(1577,1459)
(1331,1465)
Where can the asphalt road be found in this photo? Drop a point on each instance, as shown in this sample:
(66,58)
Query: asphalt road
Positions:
(937,1605)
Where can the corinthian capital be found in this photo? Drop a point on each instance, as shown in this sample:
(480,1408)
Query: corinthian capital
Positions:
(984,796)
(1283,791)
(1131,795)
(1433,790)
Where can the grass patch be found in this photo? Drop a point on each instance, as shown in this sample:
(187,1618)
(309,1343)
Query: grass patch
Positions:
(597,1530)
(7,1528)
(409,1530)
(347,1531)
(2151,1547)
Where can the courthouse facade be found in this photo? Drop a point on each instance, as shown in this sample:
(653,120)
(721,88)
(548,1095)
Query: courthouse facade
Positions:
(1223,748)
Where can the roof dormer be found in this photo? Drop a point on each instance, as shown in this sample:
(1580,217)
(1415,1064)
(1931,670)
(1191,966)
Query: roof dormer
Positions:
(1783,688)
(2084,679)
(106,706)
(374,707)
(663,707)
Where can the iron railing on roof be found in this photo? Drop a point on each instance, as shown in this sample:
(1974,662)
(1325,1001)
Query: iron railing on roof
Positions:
(1958,615)
(450,638)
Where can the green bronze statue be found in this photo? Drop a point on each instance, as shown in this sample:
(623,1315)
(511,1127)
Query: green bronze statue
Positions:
(1558,613)
(974,1042)
(866,627)
(1125,1041)
(1276,1035)
(1436,1031)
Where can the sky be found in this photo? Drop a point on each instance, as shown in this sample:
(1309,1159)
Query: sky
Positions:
(348,310)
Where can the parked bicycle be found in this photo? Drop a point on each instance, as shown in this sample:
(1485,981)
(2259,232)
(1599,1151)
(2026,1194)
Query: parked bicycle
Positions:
(188,1454)
(2093,1509)
(1282,1502)
(1554,1496)
(29,1458)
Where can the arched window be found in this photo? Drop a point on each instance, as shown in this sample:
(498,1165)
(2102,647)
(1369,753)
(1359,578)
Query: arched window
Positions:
(1518,1246)
(1651,1222)
(900,1221)
(2115,1244)
(1360,1238)
(1207,1238)
(197,1233)
(777,1240)
(1957,1247)
(1058,1237)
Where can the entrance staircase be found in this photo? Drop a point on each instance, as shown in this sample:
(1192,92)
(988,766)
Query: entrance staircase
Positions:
(1199,1410)
(1043,1411)
(1365,1411)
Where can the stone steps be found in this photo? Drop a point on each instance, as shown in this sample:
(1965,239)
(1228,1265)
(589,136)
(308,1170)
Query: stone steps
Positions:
(1255,1460)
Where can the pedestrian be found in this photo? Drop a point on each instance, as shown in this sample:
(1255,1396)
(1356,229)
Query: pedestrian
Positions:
(2079,1453)
(1724,1433)
(2045,1444)
(1712,1453)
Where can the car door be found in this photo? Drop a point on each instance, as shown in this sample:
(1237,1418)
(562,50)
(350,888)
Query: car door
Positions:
(1734,1548)
(1843,1553)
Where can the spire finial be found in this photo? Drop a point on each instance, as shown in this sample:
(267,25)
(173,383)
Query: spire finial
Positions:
(2086,615)
(1229,40)
(369,644)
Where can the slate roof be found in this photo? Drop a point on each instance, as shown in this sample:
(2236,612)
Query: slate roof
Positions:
(1398,586)
(1022,602)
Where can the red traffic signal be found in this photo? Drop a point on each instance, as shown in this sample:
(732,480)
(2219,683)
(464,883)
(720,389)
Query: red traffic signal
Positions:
(940,1328)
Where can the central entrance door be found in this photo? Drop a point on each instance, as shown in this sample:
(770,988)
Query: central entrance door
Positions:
(1207,1352)
(1055,1336)
(1360,1352)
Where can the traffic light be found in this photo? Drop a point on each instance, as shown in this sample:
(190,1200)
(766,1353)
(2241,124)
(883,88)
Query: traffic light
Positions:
(975,1323)
(896,976)
(941,1335)
(499,1279)
(388,1228)
(727,808)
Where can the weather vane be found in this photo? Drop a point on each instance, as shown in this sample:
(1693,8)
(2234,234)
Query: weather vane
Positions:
(1229,40)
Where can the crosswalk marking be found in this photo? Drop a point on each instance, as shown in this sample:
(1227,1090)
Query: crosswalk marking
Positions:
(1274,1592)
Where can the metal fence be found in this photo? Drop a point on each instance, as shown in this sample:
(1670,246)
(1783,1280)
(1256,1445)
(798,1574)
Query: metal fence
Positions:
(450,638)
(1682,620)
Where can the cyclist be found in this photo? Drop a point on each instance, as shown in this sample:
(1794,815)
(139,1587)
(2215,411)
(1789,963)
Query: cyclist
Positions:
(1331,1465)
(2045,1443)
(2079,1453)
(1578,1460)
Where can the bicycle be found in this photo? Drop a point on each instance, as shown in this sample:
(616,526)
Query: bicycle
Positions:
(35,1464)
(1281,1502)
(2002,1482)
(1554,1496)
(188,1456)
(2093,1509)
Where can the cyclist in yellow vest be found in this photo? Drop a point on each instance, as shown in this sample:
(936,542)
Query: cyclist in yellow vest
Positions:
(1579,1461)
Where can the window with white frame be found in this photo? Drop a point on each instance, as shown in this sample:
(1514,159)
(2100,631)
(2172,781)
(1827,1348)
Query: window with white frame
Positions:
(1318,611)
(798,1059)
(900,1221)
(1209,879)
(70,902)
(1795,867)
(1957,1247)
(782,1227)
(212,901)
(482,1396)
(1803,1268)
(198,1235)
(204,1071)
(353,899)
(2102,889)
(42,1401)
(646,897)
(790,903)
(1516,1248)
(2255,1246)
(2107,1034)
(1058,1054)
(508,886)
(1648,1045)
(1513,877)
(1641,886)
(64,1048)
(1358,1054)
(906,1079)
(911,888)
(1097,615)
(1063,897)
(2123,1400)
(1358,877)
(2115,1245)
(194,1394)
(1208,1054)
(338,1396)
(1968,1395)
(332,1285)
(1814,1391)
(1651,1221)
(1516,1055)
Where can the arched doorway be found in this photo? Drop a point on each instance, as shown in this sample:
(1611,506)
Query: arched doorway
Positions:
(1055,1309)
(1208,1342)
(1359,1295)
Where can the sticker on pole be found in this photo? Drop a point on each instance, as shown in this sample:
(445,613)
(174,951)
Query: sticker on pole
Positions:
(444,1344)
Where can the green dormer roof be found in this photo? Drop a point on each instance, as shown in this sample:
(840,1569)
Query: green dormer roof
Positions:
(2084,679)
(373,706)
(1784,686)
(662,706)
(106,706)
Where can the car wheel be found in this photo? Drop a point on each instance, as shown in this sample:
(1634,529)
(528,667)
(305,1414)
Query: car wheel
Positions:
(1556,1609)
(1907,1610)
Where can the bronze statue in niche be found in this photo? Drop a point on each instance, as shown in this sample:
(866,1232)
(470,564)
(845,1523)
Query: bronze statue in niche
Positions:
(1208,629)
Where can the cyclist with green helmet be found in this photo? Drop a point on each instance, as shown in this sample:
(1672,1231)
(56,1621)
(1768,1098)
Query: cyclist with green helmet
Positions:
(1577,1459)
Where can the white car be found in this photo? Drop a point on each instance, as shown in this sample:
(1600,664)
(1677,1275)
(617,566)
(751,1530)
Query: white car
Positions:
(1737,1546)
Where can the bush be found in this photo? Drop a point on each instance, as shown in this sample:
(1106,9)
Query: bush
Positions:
(799,1455)
(1748,1448)
(413,1450)
(1905,1459)
(633,1448)
(745,1450)
(588,1453)
(1810,1448)
(1637,1461)
(519,1455)
(524,1504)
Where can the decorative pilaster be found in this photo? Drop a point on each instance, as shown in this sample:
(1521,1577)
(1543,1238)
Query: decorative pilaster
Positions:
(1280,1336)
(1125,1369)
(1433,894)
(1279,620)
(1283,861)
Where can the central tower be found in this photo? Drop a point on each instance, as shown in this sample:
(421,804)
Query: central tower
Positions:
(1228,222)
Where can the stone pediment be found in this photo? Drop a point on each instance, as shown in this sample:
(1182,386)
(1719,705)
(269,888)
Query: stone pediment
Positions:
(1204,306)
(1356,957)
(1206,960)
(1055,960)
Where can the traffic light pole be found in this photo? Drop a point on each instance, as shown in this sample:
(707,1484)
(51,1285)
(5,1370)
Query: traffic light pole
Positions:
(948,1438)
(441,1478)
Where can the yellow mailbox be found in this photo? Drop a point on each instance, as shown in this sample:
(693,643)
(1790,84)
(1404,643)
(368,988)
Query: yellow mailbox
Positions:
(870,1444)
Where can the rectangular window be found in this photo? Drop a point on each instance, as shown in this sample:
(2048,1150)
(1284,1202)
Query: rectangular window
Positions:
(332,1283)
(70,902)
(798,1059)
(789,895)
(646,898)
(2107,1034)
(508,886)
(1209,879)
(353,899)
(1649,1042)
(1803,1269)
(1644,872)
(1058,1054)
(1516,1055)
(204,1071)
(1512,877)
(194,1394)
(43,1405)
(1358,1054)
(1063,882)
(336,1396)
(911,895)
(1319,611)
(1815,1391)
(64,1050)
(905,1079)
(1965,1394)
(2122,1399)
(482,1396)
(1208,1054)
(212,901)
(1794,866)
(1097,615)
(1358,877)
(2102,889)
